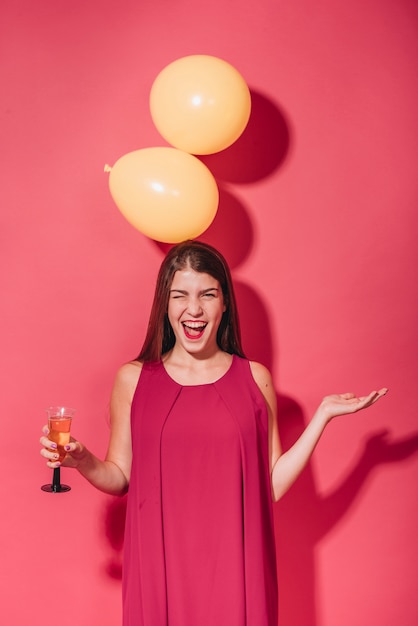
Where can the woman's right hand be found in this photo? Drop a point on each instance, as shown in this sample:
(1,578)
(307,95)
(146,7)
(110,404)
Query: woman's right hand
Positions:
(75,451)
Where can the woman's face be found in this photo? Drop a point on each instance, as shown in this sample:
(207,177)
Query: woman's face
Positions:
(195,309)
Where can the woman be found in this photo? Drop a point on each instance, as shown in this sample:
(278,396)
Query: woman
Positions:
(194,436)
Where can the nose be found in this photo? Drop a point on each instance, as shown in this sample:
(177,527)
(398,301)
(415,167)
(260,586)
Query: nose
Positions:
(194,307)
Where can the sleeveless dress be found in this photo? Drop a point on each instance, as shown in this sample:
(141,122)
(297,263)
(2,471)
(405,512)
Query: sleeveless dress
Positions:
(199,539)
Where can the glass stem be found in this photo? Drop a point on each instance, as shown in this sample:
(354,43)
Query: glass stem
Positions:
(56,479)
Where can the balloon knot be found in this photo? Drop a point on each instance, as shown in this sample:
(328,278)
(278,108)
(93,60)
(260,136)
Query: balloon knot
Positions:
(107,168)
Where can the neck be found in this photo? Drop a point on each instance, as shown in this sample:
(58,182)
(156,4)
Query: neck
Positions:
(190,369)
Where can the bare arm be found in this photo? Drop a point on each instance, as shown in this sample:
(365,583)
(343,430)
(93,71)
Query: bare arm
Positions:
(112,474)
(286,467)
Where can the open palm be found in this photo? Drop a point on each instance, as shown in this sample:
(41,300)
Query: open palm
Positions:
(344,403)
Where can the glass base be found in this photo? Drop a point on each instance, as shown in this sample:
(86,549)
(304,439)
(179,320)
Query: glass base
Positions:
(55,488)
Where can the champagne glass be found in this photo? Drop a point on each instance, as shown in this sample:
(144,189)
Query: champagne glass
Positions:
(59,424)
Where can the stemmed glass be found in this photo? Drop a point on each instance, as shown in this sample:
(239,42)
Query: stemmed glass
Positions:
(59,424)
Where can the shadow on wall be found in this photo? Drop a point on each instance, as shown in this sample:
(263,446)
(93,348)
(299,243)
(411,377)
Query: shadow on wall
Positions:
(260,150)
(296,540)
(114,527)
(257,154)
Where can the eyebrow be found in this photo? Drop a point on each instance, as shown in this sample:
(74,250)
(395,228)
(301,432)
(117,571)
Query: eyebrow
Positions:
(185,293)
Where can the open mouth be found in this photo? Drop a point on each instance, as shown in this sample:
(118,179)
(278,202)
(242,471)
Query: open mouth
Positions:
(194,330)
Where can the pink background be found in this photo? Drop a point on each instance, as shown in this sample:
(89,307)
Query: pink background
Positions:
(318,220)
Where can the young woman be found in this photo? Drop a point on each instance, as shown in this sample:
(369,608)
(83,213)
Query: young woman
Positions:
(194,441)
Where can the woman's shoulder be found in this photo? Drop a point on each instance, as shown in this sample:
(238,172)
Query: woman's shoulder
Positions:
(128,374)
(264,382)
(261,375)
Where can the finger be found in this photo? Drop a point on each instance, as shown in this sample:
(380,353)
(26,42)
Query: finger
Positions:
(47,443)
(53,464)
(73,446)
(365,401)
(377,394)
(369,397)
(45,430)
(347,396)
(47,454)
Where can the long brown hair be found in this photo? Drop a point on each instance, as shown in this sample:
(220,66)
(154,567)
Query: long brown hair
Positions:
(201,257)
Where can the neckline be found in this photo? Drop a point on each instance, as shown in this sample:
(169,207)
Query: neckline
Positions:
(200,384)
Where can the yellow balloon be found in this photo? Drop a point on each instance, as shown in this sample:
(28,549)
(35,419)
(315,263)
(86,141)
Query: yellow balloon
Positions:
(200,104)
(166,194)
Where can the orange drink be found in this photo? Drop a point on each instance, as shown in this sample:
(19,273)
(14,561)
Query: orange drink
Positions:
(59,432)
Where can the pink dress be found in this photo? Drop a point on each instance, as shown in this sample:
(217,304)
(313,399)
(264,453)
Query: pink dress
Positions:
(199,538)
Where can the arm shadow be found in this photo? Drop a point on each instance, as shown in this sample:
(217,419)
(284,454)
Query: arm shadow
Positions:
(296,539)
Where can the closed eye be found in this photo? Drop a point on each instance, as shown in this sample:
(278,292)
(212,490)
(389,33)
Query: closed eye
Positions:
(177,293)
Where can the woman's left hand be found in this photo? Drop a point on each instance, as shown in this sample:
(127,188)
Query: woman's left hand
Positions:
(345,403)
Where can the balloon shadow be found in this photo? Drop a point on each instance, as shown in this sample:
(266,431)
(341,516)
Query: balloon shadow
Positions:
(230,232)
(259,151)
